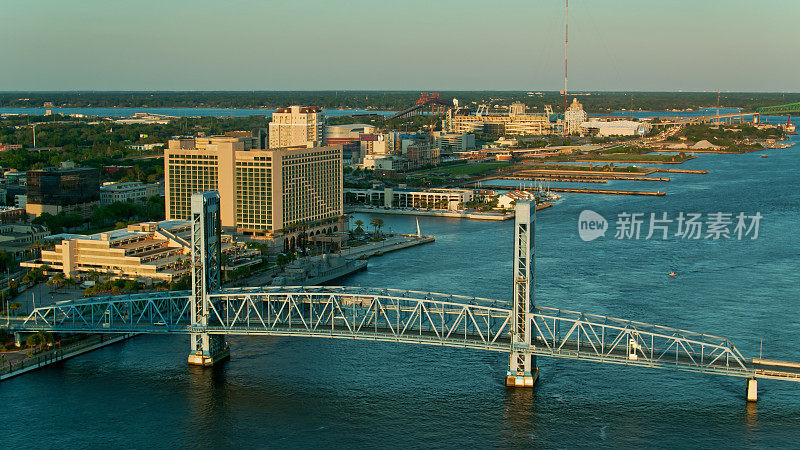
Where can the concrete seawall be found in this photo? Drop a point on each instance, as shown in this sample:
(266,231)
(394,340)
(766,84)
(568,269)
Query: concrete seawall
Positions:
(440,213)
(13,369)
(379,248)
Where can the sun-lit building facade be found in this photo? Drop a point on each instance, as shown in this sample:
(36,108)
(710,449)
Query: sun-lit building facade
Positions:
(514,124)
(297,126)
(261,190)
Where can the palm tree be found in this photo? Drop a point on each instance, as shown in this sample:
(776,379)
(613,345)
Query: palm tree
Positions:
(377,224)
(358,229)
(56,281)
(374,223)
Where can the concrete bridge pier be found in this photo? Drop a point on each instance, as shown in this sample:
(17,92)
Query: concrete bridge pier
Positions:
(208,349)
(522,370)
(752,390)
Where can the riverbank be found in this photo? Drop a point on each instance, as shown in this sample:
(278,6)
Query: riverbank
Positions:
(434,213)
(390,244)
(27,364)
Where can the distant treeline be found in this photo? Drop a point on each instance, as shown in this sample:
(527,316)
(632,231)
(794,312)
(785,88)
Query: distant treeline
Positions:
(391,100)
(61,138)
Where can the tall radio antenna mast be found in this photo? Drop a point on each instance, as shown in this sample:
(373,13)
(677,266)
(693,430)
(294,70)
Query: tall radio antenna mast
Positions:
(566,41)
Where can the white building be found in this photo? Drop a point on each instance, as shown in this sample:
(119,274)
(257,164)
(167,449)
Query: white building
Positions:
(506,142)
(20,200)
(377,162)
(616,128)
(146,118)
(297,126)
(517,109)
(510,198)
(574,117)
(377,145)
(343,134)
(448,199)
(453,142)
(126,192)
(144,147)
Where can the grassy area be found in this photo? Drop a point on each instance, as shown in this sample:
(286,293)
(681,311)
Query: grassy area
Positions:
(622,154)
(587,168)
(628,157)
(471,168)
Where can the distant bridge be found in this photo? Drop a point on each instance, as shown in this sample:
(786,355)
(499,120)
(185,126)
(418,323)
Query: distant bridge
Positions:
(730,118)
(208,313)
(426,99)
(789,108)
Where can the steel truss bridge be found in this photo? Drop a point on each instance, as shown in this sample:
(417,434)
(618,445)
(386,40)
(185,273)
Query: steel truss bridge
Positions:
(513,326)
(408,317)
(789,108)
(732,118)
(426,99)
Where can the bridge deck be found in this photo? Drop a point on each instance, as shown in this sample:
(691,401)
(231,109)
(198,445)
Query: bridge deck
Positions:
(410,317)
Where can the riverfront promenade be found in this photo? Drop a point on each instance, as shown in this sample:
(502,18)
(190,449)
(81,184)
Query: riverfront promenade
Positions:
(23,365)
(391,243)
(474,215)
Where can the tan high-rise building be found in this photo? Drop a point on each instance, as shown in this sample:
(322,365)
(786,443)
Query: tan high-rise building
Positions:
(261,191)
(297,126)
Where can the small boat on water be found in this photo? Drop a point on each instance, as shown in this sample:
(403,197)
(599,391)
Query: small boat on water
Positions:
(765,156)
(672,274)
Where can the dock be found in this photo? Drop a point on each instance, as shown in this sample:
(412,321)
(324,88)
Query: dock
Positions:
(609,192)
(587,191)
(681,171)
(565,179)
(597,173)
(583,178)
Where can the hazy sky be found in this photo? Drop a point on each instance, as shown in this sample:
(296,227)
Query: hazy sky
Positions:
(738,45)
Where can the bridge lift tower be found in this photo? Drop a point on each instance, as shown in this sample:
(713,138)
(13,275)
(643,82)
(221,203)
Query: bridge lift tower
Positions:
(522,370)
(205,349)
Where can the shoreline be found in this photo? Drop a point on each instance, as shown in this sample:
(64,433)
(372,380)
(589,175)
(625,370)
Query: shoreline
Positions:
(45,359)
(433,213)
(443,213)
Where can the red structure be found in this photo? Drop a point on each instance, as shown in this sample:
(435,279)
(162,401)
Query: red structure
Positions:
(425,99)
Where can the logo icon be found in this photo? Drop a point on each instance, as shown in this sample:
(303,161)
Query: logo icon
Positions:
(591,225)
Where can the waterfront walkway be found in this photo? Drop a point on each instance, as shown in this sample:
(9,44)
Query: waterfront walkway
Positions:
(18,367)
(391,243)
(475,215)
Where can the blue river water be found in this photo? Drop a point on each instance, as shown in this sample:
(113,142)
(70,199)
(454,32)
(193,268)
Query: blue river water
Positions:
(296,392)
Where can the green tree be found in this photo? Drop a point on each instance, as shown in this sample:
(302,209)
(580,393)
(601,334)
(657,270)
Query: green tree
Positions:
(377,224)
(39,338)
(33,340)
(56,281)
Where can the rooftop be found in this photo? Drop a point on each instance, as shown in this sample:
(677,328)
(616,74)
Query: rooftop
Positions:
(121,186)
(121,233)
